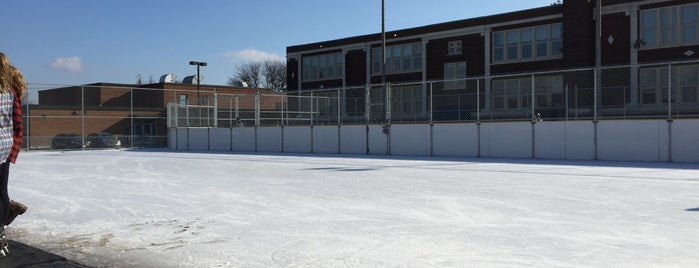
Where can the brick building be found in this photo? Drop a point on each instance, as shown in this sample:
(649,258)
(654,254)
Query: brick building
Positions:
(472,57)
(136,114)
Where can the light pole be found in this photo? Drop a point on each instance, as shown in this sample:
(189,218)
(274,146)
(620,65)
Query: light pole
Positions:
(198,64)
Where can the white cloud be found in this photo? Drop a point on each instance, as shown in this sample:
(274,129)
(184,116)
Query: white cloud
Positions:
(69,64)
(252,55)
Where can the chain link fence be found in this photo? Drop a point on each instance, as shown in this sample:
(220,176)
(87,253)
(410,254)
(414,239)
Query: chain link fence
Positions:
(667,90)
(98,116)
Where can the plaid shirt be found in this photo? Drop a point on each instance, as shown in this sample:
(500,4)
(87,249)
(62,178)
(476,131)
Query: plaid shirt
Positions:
(17,128)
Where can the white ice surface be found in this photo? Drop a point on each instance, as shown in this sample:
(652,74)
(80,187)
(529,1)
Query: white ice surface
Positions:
(120,208)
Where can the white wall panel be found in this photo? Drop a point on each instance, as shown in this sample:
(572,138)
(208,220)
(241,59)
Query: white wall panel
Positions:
(297,139)
(353,140)
(378,141)
(685,141)
(243,139)
(632,140)
(326,139)
(628,140)
(549,140)
(410,140)
(269,139)
(199,139)
(509,140)
(579,140)
(172,138)
(220,139)
(455,140)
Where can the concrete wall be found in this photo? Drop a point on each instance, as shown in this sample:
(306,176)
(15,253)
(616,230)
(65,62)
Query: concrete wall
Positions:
(624,140)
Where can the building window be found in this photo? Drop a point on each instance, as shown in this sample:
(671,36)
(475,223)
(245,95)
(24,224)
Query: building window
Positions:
(455,48)
(183,99)
(516,93)
(455,75)
(400,59)
(407,100)
(531,43)
(670,26)
(323,67)
(654,85)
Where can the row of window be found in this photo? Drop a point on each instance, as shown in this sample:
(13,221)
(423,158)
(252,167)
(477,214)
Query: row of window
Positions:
(321,67)
(670,26)
(512,45)
(530,43)
(399,59)
(654,85)
(653,89)
(516,93)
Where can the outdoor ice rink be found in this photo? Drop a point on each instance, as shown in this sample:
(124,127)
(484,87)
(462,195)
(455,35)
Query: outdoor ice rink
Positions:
(120,208)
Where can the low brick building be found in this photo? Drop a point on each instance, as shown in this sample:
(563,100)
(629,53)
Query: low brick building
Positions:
(136,114)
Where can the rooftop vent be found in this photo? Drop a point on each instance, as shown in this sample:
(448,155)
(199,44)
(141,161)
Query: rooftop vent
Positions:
(168,78)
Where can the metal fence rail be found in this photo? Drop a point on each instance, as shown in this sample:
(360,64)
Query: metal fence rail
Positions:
(668,90)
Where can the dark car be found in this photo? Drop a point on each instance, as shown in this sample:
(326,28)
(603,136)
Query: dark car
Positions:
(67,141)
(103,140)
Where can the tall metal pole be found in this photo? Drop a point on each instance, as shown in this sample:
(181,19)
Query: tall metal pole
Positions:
(198,82)
(383,43)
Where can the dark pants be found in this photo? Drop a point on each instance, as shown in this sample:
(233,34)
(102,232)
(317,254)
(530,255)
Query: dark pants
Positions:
(4,196)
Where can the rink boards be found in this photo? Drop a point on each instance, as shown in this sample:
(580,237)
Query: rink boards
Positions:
(626,140)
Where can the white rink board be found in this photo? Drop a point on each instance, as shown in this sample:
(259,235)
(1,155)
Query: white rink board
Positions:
(220,139)
(410,140)
(297,139)
(199,139)
(243,139)
(326,139)
(353,140)
(580,140)
(172,139)
(685,141)
(455,140)
(627,140)
(506,140)
(632,140)
(378,141)
(269,139)
(549,140)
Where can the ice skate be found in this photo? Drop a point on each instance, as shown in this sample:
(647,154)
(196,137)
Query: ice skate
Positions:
(3,244)
(16,209)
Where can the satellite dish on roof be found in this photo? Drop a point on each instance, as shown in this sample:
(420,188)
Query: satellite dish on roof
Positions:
(244,84)
(168,78)
(192,79)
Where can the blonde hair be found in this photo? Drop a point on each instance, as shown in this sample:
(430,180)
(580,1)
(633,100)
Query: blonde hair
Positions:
(5,73)
(18,83)
(11,77)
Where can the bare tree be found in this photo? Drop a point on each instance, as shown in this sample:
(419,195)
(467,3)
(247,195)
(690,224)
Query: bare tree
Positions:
(268,74)
(249,73)
(274,72)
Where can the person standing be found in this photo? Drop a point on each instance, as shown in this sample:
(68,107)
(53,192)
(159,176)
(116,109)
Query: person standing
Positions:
(12,88)
(19,89)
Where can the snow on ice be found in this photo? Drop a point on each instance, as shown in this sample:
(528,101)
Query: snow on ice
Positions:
(121,208)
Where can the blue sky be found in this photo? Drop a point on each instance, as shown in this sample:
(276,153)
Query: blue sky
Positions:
(71,42)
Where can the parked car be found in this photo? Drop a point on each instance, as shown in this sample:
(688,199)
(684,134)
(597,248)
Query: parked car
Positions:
(103,140)
(68,141)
